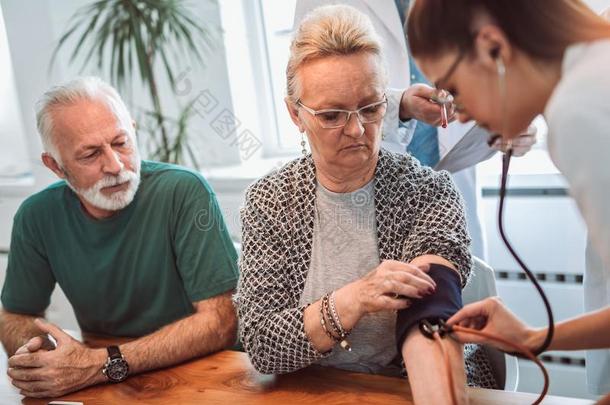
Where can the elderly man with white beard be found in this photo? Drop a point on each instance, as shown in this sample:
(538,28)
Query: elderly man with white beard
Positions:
(140,249)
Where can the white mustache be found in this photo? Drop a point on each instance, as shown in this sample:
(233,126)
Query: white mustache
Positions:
(109,181)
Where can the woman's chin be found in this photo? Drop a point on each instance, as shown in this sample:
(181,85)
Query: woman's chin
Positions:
(354,157)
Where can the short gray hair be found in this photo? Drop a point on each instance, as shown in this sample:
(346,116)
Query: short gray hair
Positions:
(88,88)
(331,30)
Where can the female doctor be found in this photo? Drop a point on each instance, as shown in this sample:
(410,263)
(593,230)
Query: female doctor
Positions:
(505,62)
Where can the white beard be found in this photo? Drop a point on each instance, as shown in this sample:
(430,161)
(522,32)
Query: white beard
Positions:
(118,200)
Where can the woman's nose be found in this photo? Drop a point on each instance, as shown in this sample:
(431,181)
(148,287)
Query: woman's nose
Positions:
(353,127)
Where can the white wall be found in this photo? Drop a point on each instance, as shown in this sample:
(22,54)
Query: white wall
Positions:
(598,5)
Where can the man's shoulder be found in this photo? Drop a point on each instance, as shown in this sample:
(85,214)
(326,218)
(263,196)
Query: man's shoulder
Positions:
(154,168)
(45,204)
(46,199)
(171,177)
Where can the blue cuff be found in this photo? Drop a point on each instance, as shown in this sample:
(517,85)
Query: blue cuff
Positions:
(445,302)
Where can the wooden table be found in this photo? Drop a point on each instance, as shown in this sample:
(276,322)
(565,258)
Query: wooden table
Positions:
(229,378)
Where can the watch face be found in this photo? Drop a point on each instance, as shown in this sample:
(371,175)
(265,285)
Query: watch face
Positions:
(117,370)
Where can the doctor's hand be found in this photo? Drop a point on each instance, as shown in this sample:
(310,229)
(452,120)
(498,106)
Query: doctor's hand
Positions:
(70,367)
(415,104)
(492,316)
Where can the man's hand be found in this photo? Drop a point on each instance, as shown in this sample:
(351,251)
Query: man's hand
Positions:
(69,367)
(37,343)
(415,103)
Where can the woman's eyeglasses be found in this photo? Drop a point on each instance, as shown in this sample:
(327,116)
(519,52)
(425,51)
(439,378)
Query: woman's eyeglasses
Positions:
(335,118)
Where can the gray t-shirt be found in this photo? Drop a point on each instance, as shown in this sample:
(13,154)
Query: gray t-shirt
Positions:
(345,249)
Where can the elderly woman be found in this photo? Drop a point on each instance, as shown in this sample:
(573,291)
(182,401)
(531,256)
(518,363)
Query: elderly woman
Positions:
(334,243)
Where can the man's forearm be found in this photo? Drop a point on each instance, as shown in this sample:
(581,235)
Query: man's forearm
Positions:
(211,328)
(427,372)
(16,330)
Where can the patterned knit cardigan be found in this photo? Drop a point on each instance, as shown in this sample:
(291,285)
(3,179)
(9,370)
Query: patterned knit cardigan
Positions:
(418,212)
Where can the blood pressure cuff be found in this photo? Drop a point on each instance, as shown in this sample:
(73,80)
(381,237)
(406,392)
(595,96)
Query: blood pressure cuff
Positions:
(446,301)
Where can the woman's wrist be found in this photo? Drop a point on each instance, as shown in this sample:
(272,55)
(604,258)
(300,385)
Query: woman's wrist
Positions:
(348,305)
(535,338)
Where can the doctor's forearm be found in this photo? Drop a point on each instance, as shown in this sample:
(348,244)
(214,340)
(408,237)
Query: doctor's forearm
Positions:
(589,331)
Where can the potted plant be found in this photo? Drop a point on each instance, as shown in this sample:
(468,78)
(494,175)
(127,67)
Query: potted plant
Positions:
(128,39)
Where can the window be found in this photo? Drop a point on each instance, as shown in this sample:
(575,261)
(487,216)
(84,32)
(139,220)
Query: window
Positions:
(14,161)
(257,36)
(269,31)
(277,27)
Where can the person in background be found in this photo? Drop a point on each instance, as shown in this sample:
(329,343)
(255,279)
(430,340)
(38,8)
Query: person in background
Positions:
(506,61)
(139,248)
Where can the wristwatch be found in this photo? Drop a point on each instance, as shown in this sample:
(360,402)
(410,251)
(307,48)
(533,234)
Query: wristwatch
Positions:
(116,367)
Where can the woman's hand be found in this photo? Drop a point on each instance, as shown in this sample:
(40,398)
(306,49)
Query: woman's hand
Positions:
(389,286)
(492,316)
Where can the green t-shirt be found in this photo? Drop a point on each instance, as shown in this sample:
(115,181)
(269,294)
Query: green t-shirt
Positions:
(132,273)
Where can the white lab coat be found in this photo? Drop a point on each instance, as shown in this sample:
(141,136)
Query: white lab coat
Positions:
(578,116)
(386,21)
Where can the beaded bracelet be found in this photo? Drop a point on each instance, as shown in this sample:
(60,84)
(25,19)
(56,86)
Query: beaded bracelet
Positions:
(335,316)
(336,324)
(329,318)
(323,321)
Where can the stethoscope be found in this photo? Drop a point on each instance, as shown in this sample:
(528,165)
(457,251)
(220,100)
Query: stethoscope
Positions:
(508,152)
(504,180)
(446,100)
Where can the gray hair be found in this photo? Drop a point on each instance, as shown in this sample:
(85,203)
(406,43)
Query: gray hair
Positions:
(82,88)
(331,30)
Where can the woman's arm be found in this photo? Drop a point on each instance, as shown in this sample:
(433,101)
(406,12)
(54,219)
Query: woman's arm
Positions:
(349,314)
(385,288)
(439,233)
(427,371)
(589,331)
(271,321)
(282,339)
(424,360)
(439,236)
(279,334)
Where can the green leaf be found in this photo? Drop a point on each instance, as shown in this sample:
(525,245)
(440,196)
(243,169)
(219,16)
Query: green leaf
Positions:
(128,38)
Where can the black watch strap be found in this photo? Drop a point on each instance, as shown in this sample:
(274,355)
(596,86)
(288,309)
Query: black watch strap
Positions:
(114,352)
